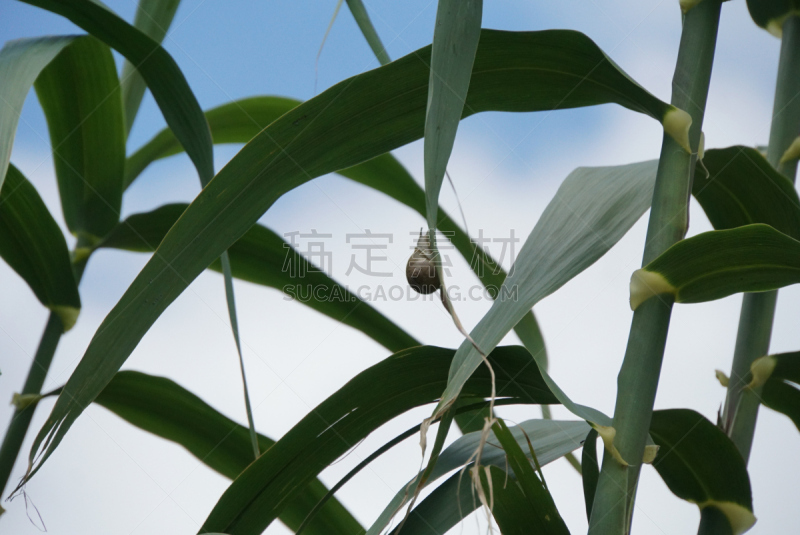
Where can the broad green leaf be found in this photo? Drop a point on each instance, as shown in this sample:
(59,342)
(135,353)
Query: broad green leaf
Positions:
(699,463)
(528,505)
(365,25)
(780,392)
(716,264)
(590,471)
(260,257)
(33,245)
(353,121)
(153,18)
(551,439)
(770,14)
(455,41)
(366,402)
(743,188)
(79,93)
(160,72)
(591,211)
(21,61)
(164,408)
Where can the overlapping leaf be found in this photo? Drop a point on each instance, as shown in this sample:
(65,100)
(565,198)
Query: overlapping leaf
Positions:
(79,93)
(699,463)
(164,408)
(32,244)
(780,391)
(351,122)
(770,14)
(261,257)
(370,399)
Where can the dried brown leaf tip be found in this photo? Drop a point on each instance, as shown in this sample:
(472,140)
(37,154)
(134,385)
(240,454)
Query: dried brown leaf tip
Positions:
(421,267)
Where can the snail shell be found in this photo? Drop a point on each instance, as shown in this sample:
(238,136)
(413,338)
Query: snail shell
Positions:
(421,268)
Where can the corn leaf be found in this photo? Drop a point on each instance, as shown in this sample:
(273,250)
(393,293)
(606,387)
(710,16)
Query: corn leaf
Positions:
(353,121)
(455,41)
(21,61)
(153,18)
(368,30)
(79,93)
(366,402)
(743,188)
(699,463)
(770,14)
(32,244)
(590,470)
(166,409)
(780,392)
(551,439)
(719,263)
(260,257)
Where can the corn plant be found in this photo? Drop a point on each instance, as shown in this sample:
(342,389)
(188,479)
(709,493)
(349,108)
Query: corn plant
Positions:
(350,129)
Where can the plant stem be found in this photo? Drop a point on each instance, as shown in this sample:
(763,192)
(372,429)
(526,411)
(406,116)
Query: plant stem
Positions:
(758,309)
(638,378)
(21,419)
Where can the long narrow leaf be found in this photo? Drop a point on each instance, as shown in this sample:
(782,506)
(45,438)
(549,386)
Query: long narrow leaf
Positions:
(369,400)
(79,93)
(21,62)
(32,244)
(590,471)
(260,257)
(164,408)
(368,30)
(780,392)
(351,122)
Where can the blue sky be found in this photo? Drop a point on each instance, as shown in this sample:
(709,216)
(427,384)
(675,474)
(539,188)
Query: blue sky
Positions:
(506,168)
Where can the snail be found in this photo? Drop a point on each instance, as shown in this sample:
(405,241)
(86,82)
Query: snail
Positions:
(421,267)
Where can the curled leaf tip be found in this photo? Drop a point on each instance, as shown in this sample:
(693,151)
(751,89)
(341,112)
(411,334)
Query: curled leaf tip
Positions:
(650,453)
(722,378)
(607,433)
(67,315)
(686,5)
(645,284)
(677,123)
(761,369)
(793,152)
(739,517)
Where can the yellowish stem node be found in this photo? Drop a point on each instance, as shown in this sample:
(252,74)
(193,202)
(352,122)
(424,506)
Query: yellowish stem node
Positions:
(20,401)
(722,378)
(645,284)
(650,453)
(608,433)
(793,152)
(68,315)
(677,123)
(738,516)
(686,5)
(761,369)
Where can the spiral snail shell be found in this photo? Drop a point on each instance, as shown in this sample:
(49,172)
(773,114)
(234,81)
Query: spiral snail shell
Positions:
(421,267)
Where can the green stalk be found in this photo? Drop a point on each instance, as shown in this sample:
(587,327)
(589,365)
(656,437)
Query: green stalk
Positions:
(758,309)
(21,420)
(638,378)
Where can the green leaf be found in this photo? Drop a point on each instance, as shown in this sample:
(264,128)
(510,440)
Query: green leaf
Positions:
(160,72)
(455,42)
(33,245)
(362,19)
(551,439)
(153,18)
(770,14)
(353,121)
(260,257)
(591,211)
(79,93)
(590,471)
(743,188)
(21,61)
(716,264)
(164,408)
(700,464)
(369,400)
(780,392)
(528,505)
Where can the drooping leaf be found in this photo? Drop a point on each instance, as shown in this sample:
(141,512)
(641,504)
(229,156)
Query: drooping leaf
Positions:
(591,211)
(780,392)
(162,407)
(79,93)
(368,30)
(153,18)
(590,472)
(33,245)
(743,188)
(699,463)
(719,263)
(770,14)
(551,439)
(366,402)
(261,257)
(351,122)
(21,61)
(455,42)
